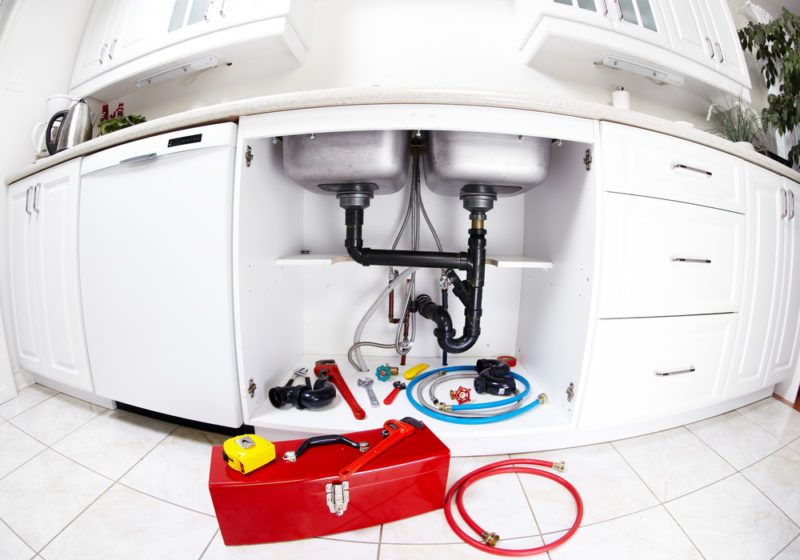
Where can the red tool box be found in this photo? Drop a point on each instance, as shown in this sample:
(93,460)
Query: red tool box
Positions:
(330,484)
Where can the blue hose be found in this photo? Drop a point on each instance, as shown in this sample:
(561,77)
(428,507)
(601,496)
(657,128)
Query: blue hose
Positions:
(477,420)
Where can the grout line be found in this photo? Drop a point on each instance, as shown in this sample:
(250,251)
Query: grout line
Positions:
(166,501)
(380,542)
(785,547)
(530,505)
(697,548)
(10,528)
(55,394)
(208,545)
(753,484)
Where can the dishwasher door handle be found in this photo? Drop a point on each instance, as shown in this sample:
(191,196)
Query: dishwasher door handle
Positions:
(138,159)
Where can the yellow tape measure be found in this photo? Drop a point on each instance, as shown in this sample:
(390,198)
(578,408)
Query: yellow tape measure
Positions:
(247,453)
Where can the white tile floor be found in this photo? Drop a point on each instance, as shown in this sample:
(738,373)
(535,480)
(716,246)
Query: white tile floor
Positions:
(727,487)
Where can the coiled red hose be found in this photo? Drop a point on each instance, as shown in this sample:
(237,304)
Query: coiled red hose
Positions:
(488,539)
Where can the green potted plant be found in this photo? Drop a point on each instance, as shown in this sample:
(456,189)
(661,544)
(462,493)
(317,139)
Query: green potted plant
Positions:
(116,120)
(736,121)
(776,45)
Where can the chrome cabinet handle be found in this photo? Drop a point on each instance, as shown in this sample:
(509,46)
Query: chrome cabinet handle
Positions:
(36,190)
(137,159)
(102,56)
(690,260)
(719,51)
(791,204)
(710,46)
(690,168)
(222,8)
(111,49)
(785,204)
(208,9)
(690,369)
(28,200)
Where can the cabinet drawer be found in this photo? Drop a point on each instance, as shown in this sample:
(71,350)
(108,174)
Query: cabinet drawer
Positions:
(664,258)
(647,368)
(641,162)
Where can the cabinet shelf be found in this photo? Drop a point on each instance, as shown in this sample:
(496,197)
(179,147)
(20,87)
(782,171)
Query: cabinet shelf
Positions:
(327,259)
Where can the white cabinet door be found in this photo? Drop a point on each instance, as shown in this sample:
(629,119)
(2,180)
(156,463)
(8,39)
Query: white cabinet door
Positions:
(762,281)
(727,49)
(787,333)
(640,19)
(23,276)
(234,12)
(690,37)
(93,55)
(139,30)
(59,309)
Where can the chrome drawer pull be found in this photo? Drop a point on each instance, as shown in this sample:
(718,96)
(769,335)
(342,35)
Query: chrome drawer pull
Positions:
(690,168)
(688,260)
(785,204)
(791,204)
(690,369)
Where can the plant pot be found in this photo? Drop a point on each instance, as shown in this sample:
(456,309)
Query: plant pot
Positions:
(746,145)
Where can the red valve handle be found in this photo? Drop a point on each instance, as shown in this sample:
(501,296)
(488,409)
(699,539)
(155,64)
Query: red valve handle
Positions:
(329,368)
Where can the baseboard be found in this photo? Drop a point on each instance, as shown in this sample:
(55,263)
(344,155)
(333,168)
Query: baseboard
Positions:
(73,392)
(23,378)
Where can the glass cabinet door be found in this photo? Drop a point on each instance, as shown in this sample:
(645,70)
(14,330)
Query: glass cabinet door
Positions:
(639,18)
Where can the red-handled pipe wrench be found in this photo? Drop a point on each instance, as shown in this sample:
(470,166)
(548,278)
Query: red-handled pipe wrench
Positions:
(329,368)
(394,431)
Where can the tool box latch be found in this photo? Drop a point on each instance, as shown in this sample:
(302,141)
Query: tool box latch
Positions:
(337,495)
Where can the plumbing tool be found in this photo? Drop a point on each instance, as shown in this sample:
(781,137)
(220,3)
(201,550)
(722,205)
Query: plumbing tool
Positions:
(385,372)
(304,396)
(494,377)
(247,453)
(398,386)
(331,370)
(488,540)
(412,372)
(366,382)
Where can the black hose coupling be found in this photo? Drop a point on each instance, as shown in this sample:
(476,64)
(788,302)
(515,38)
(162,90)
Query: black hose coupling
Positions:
(304,396)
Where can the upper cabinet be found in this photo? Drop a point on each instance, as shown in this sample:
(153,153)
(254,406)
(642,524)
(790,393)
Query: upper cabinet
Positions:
(693,39)
(128,40)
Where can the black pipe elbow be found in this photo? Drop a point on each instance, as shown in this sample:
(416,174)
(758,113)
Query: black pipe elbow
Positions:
(444,332)
(303,396)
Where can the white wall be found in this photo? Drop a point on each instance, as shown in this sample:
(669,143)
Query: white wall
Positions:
(442,43)
(37,50)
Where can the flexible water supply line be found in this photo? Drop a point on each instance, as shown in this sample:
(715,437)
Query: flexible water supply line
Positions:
(360,365)
(488,539)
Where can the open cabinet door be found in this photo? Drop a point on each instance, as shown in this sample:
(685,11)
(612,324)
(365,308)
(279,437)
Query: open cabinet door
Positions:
(8,389)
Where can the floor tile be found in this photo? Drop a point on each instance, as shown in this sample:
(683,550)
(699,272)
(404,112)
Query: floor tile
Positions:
(673,463)
(308,548)
(56,417)
(493,502)
(791,552)
(608,487)
(732,519)
(778,476)
(27,398)
(44,495)
(650,534)
(740,441)
(780,421)
(112,443)
(795,445)
(16,447)
(177,469)
(12,547)
(126,524)
(367,534)
(459,551)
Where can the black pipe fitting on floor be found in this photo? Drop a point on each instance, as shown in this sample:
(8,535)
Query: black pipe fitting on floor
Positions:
(494,377)
(303,396)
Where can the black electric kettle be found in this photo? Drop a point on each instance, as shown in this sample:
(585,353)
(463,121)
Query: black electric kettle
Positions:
(69,128)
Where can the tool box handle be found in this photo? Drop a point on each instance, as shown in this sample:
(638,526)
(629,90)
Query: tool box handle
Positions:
(318,441)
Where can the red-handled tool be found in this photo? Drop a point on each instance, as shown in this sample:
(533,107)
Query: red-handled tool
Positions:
(398,386)
(396,431)
(329,368)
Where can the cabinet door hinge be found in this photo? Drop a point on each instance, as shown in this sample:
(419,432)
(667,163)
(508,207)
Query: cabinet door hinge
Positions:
(587,160)
(251,388)
(570,392)
(248,156)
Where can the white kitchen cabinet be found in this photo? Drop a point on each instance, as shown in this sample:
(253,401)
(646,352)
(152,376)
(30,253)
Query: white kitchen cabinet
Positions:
(690,37)
(93,54)
(787,329)
(728,53)
(762,282)
(46,298)
(640,19)
(140,27)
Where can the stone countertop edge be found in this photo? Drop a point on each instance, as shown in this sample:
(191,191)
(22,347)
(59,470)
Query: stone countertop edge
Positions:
(232,110)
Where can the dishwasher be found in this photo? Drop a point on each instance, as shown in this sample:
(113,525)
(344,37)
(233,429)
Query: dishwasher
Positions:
(155,241)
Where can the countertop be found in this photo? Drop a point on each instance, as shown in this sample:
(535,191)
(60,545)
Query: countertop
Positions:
(231,111)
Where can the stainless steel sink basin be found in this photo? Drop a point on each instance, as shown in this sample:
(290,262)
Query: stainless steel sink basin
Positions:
(501,164)
(333,162)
